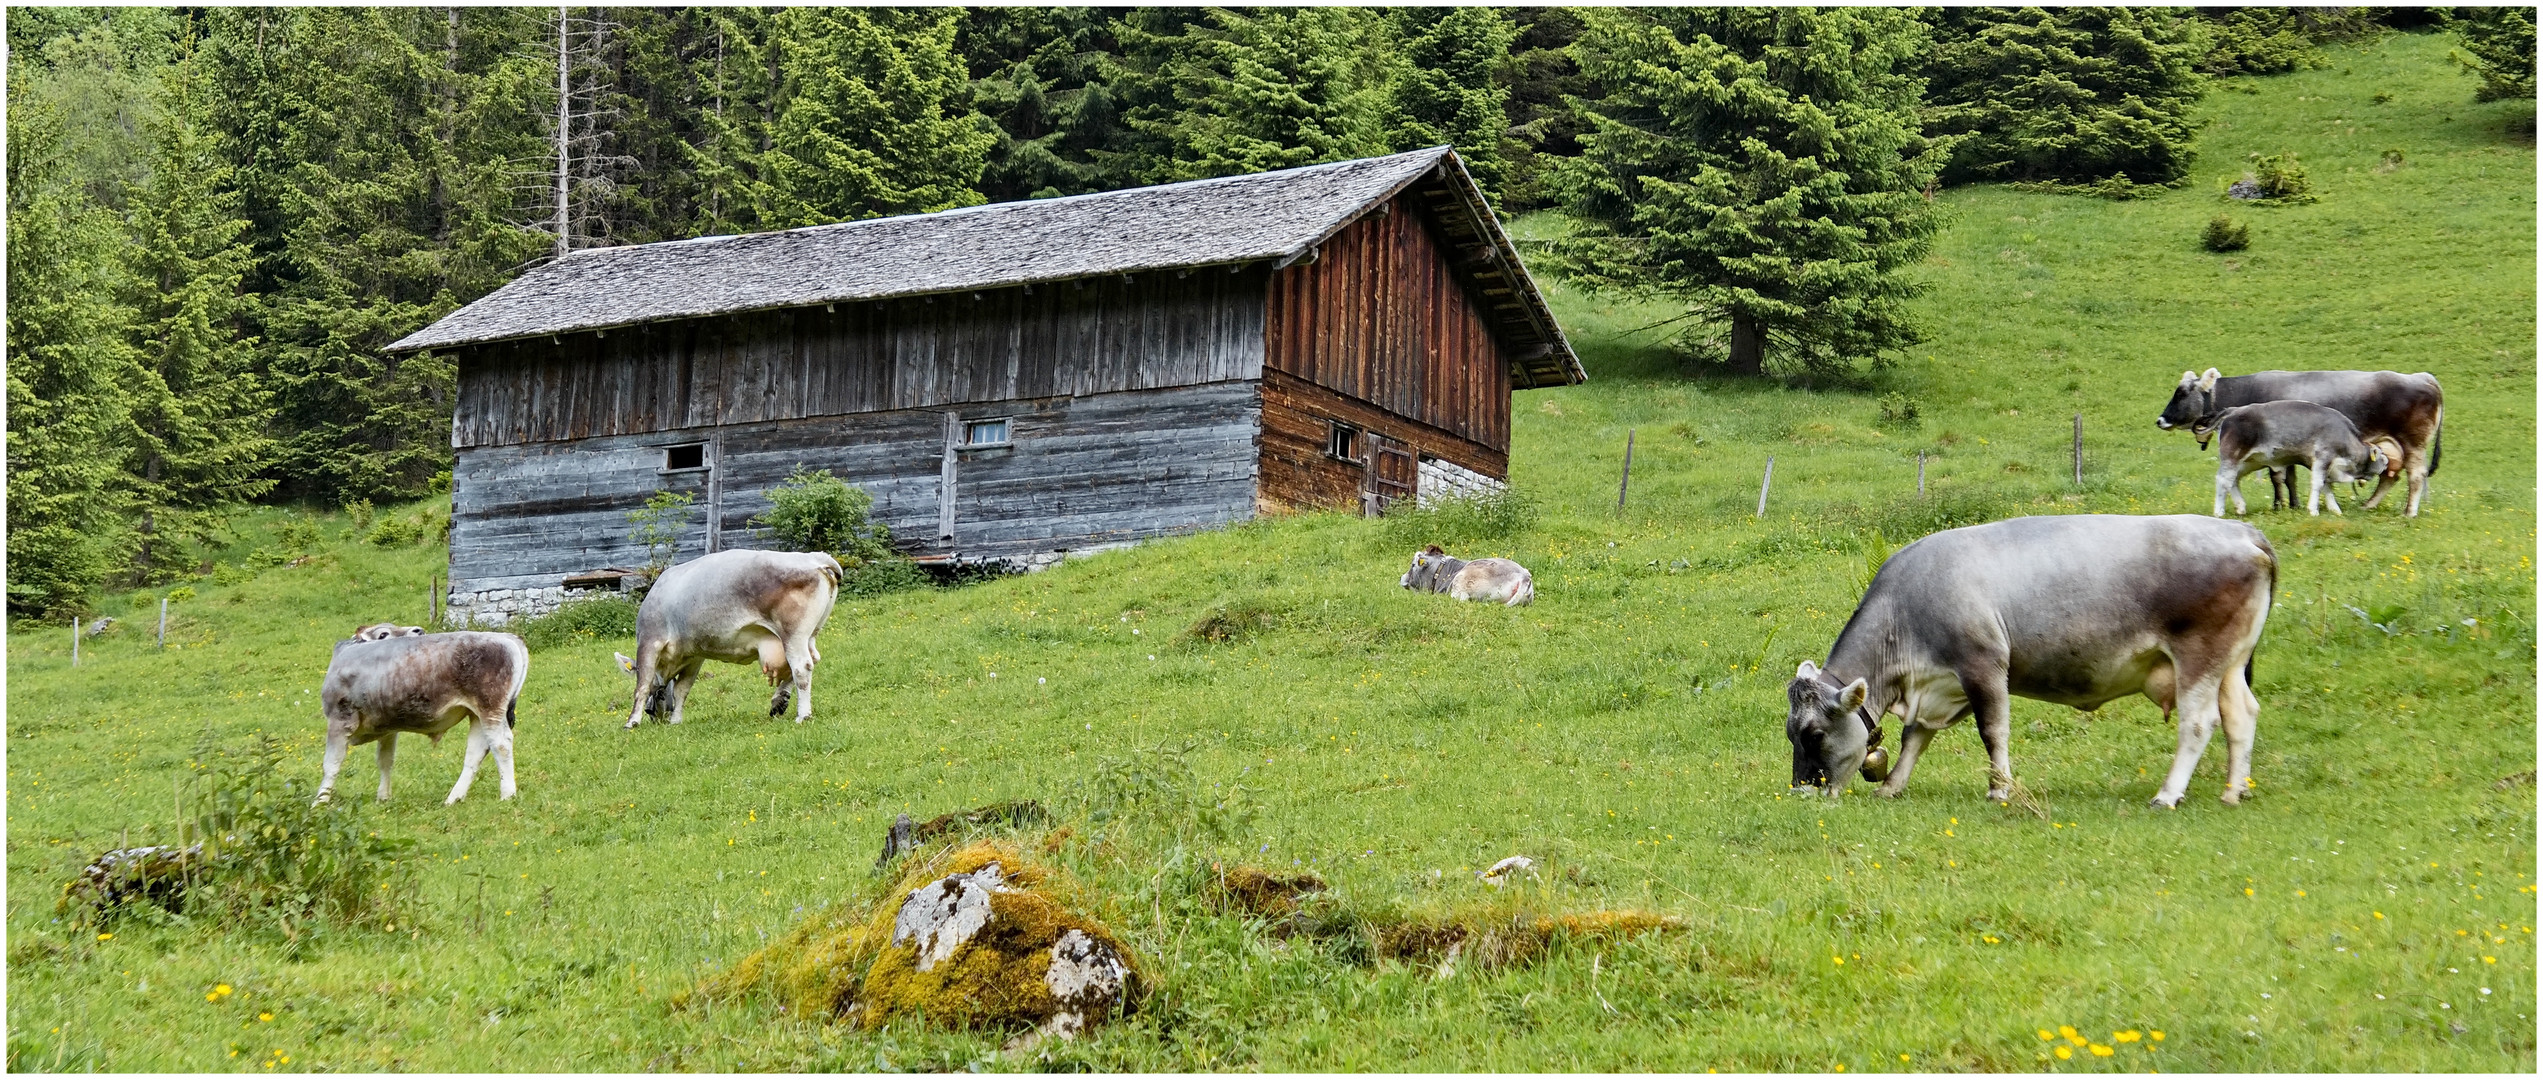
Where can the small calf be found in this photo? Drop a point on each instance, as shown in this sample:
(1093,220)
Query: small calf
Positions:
(2272,434)
(389,679)
(1482,579)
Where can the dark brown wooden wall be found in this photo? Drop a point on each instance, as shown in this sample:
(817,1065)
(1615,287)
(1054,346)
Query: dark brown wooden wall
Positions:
(1081,471)
(1381,316)
(1297,421)
(1075,338)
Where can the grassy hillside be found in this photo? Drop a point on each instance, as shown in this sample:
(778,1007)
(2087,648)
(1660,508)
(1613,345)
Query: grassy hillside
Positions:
(2372,908)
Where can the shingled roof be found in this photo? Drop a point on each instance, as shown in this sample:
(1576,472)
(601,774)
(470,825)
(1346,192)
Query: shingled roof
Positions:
(1279,217)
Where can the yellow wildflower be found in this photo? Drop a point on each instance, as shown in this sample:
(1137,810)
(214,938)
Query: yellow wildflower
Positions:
(2064,1053)
(2101,1051)
(2068,1030)
(2130,1035)
(2156,1035)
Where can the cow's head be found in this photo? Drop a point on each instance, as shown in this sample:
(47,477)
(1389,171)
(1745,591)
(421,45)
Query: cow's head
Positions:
(2192,400)
(1425,571)
(384,631)
(2388,456)
(1832,737)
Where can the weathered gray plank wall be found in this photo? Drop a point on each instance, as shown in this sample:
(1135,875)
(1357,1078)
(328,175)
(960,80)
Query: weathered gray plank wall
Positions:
(1076,338)
(1081,471)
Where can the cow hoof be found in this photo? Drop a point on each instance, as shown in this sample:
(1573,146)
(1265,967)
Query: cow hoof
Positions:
(2231,798)
(2161,803)
(630,725)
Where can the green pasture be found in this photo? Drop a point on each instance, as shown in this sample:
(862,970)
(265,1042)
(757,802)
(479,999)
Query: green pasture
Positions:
(2372,908)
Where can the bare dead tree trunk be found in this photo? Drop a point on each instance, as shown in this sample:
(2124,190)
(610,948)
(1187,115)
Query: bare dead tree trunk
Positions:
(564,135)
(1748,345)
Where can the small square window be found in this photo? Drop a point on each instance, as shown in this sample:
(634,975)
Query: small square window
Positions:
(676,458)
(1343,442)
(986,432)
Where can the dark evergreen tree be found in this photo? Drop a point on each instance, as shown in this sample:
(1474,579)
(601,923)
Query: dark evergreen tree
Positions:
(876,117)
(199,412)
(1762,167)
(1543,78)
(2067,94)
(1041,75)
(2277,40)
(735,71)
(1446,87)
(70,370)
(2498,45)
(1217,92)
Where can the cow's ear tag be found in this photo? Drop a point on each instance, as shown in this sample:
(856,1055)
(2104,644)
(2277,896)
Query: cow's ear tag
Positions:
(1852,696)
(625,663)
(1807,670)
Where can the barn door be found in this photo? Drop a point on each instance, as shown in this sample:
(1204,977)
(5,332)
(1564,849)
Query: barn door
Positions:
(1391,474)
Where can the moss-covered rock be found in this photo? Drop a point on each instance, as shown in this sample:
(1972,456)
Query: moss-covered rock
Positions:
(979,937)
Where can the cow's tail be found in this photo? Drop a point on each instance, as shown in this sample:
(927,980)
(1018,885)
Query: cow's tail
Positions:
(2269,601)
(2437,442)
(520,677)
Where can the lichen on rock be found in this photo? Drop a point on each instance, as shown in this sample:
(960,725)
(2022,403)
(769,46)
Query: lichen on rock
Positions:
(978,937)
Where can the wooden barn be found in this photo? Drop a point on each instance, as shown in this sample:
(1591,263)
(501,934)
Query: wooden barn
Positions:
(1010,382)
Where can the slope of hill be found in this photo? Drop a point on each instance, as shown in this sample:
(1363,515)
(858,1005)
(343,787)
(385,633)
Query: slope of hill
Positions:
(1267,695)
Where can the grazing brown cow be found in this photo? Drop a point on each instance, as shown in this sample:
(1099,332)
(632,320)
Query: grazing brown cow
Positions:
(388,679)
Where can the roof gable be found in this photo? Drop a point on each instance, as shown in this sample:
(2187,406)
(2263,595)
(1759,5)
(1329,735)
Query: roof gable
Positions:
(1279,216)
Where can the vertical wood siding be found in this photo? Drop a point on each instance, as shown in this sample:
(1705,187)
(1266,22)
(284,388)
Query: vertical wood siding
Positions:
(1094,336)
(1298,418)
(1081,471)
(1381,316)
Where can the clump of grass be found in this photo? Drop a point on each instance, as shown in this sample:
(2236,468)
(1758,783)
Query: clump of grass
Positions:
(1254,891)
(1235,621)
(2226,234)
(272,857)
(1463,520)
(1901,411)
(581,621)
(2276,180)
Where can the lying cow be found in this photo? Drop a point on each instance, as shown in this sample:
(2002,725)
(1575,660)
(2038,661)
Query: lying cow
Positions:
(734,606)
(389,679)
(1482,579)
(2273,434)
(2076,610)
(2407,410)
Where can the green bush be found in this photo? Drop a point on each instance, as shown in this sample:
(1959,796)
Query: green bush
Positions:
(657,527)
(2226,234)
(272,856)
(815,511)
(2498,45)
(608,615)
(2068,95)
(1900,410)
(2278,179)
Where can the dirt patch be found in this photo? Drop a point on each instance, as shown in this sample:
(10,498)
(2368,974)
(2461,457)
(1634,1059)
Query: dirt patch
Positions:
(978,937)
(905,836)
(1487,942)
(1251,890)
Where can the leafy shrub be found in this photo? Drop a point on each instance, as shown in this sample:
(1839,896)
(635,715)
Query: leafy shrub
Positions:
(273,855)
(815,511)
(2257,41)
(1463,519)
(2275,180)
(2226,234)
(298,536)
(605,616)
(657,527)
(403,529)
(1900,410)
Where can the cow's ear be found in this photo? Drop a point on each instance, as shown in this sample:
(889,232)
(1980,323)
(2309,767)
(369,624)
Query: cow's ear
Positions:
(1807,670)
(2189,378)
(1852,696)
(2207,380)
(625,663)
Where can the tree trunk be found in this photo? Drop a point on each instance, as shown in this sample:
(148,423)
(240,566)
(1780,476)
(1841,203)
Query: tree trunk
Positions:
(1748,345)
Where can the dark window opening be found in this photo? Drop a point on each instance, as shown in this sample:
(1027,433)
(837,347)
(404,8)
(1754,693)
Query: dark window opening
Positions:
(1343,443)
(676,458)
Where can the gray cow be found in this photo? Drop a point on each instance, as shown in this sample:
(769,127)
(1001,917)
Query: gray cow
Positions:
(1501,580)
(735,606)
(2078,610)
(2283,433)
(386,680)
(2409,411)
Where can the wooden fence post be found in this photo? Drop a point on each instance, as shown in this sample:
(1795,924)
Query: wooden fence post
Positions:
(1628,478)
(163,622)
(1920,472)
(1768,485)
(2079,449)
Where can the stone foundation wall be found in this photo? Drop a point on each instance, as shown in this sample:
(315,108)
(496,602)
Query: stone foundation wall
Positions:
(498,608)
(1447,480)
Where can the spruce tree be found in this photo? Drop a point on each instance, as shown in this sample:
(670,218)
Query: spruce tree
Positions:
(1544,79)
(1041,75)
(1762,167)
(70,370)
(2498,45)
(877,119)
(1222,92)
(197,406)
(2066,94)
(1446,89)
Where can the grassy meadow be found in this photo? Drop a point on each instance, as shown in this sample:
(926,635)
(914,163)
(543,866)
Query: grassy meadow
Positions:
(2371,908)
